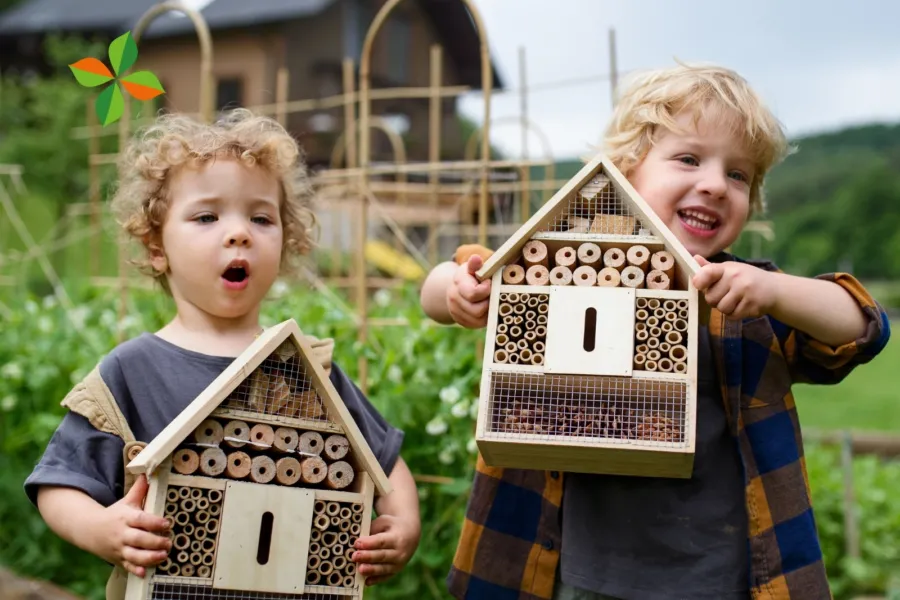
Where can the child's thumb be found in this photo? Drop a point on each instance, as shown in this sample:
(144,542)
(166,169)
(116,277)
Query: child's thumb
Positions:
(700,260)
(138,492)
(475,263)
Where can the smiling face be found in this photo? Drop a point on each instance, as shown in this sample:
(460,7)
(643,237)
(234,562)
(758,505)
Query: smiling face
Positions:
(697,180)
(221,239)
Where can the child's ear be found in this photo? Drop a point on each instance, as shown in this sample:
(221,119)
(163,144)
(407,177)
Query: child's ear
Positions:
(158,259)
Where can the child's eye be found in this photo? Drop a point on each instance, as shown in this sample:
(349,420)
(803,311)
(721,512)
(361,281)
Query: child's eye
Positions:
(206,218)
(688,160)
(739,176)
(262,220)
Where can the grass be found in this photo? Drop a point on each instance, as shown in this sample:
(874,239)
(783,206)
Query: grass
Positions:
(868,399)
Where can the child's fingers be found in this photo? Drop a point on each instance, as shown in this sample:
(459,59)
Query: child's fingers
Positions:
(475,262)
(133,569)
(716,292)
(143,558)
(729,303)
(375,556)
(473,290)
(137,538)
(379,570)
(708,275)
(140,519)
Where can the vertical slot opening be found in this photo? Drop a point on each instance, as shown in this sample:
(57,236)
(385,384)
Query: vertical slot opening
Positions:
(265,538)
(590,329)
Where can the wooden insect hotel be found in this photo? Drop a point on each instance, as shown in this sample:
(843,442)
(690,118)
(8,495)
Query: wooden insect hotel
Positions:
(266,481)
(590,356)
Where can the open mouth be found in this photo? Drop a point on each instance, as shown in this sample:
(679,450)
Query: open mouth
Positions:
(237,272)
(698,220)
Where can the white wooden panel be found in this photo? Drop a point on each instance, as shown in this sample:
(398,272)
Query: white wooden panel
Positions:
(613,331)
(237,566)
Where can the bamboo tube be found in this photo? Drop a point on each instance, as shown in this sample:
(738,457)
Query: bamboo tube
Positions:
(315,549)
(187,570)
(537,275)
(262,435)
(663,261)
(172,495)
(202,503)
(237,433)
(329,538)
(313,470)
(209,433)
(196,546)
(655,332)
(566,257)
(215,509)
(181,541)
(537,359)
(682,304)
(335,578)
(209,546)
(510,347)
(184,492)
(204,572)
(344,537)
(196,559)
(652,322)
(650,365)
(542,320)
(262,469)
(654,355)
(521,345)
(525,355)
(337,552)
(319,506)
(505,309)
(539,347)
(665,365)
(680,324)
(286,439)
(212,526)
(188,505)
(659,313)
(500,356)
(632,277)
(673,337)
(351,566)
(170,524)
(664,347)
(321,522)
(315,535)
(615,258)
(641,335)
(533,301)
(173,570)
(519,309)
(349,581)
(182,557)
(513,298)
(518,320)
(171,508)
(513,275)
(215,496)
(202,517)
(336,447)
(639,360)
(641,315)
(669,305)
(535,253)
(671,316)
(325,566)
(313,577)
(561,276)
(530,336)
(513,358)
(357,508)
(667,326)
(332,509)
(311,442)
(543,307)
(589,254)
(657,280)
(640,303)
(188,529)
(502,328)
(678,353)
(653,304)
(585,276)
(608,277)
(642,349)
(355,529)
(238,465)
(680,367)
(652,342)
(340,475)
(182,518)
(541,331)
(638,256)
(349,555)
(515,332)
(287,470)
(312,563)
(530,315)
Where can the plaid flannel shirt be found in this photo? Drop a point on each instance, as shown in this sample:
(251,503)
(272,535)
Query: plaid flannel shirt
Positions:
(511,536)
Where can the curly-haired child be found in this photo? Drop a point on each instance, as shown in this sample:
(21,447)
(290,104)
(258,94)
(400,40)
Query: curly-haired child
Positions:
(219,210)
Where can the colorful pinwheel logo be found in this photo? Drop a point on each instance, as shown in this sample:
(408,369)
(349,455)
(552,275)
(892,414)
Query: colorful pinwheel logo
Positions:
(110,104)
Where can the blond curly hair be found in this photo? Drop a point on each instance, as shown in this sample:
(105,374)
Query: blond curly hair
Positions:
(141,200)
(653,99)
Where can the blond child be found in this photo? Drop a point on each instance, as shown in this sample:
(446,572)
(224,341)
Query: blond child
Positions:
(219,210)
(696,143)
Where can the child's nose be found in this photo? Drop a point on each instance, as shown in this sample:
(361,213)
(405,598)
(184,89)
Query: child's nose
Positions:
(713,182)
(238,236)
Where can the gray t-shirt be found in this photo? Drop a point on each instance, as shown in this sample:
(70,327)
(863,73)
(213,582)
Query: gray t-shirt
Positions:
(664,539)
(152,381)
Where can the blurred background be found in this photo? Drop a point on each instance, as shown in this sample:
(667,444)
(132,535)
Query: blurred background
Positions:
(426,124)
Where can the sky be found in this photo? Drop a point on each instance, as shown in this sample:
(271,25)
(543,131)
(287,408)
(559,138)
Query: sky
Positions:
(819,65)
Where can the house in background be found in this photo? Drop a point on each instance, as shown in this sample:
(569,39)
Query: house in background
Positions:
(252,40)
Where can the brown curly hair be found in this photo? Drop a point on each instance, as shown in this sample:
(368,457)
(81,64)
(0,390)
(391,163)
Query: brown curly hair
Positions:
(141,200)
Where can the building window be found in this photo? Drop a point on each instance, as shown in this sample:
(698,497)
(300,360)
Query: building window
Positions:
(229,93)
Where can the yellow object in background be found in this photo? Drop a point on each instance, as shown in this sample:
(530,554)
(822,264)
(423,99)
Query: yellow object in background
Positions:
(395,263)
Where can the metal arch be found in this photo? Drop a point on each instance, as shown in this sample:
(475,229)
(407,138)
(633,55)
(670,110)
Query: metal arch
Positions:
(529,125)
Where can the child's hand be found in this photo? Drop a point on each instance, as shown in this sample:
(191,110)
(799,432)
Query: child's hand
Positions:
(125,536)
(382,554)
(738,290)
(467,298)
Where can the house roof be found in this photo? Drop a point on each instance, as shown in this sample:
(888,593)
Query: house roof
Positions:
(513,246)
(450,18)
(164,444)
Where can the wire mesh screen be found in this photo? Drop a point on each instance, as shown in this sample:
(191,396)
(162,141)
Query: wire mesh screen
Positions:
(521,334)
(639,412)
(263,453)
(193,515)
(661,335)
(170,591)
(596,208)
(336,527)
(279,386)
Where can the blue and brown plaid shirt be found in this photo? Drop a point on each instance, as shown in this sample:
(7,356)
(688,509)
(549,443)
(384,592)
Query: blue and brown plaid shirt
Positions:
(511,537)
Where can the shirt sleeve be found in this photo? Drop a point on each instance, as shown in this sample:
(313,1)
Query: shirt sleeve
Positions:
(383,438)
(80,457)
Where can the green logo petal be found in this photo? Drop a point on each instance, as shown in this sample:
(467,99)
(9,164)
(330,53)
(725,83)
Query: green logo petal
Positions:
(123,52)
(90,72)
(143,85)
(110,105)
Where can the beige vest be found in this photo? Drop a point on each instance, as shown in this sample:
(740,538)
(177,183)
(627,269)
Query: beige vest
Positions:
(92,399)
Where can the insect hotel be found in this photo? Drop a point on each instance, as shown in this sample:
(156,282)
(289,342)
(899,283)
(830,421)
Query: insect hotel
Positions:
(590,356)
(266,481)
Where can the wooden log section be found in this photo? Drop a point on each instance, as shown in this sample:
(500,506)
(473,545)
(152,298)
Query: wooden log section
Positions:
(638,256)
(513,274)
(185,461)
(313,470)
(209,433)
(585,276)
(238,466)
(590,254)
(614,258)
(262,436)
(560,275)
(663,261)
(237,433)
(632,277)
(213,462)
(286,439)
(336,447)
(608,277)
(287,470)
(566,257)
(262,469)
(535,253)
(657,280)
(311,443)
(340,475)
(537,275)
